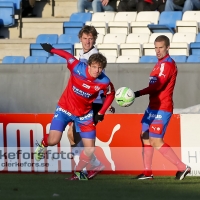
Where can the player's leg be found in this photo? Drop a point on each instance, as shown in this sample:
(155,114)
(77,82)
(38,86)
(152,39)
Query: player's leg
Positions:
(147,149)
(95,166)
(70,134)
(58,124)
(156,134)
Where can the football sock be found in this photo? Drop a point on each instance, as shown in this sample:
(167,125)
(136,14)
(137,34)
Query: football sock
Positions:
(147,159)
(83,161)
(169,154)
(94,161)
(45,140)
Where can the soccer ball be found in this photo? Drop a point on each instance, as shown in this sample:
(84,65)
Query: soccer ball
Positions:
(124,96)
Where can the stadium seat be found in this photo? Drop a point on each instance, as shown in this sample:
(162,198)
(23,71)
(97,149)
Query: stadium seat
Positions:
(187,26)
(103,16)
(115,38)
(184,37)
(100,26)
(191,16)
(195,48)
(118,27)
(15,2)
(130,49)
(148,59)
(13,59)
(125,16)
(111,59)
(7,14)
(77,48)
(167,22)
(56,59)
(80,17)
(193,59)
(140,27)
(72,27)
(179,58)
(128,59)
(47,38)
(137,38)
(37,50)
(76,22)
(150,16)
(148,49)
(100,38)
(108,49)
(179,48)
(68,38)
(67,47)
(36,59)
(197,38)
(153,36)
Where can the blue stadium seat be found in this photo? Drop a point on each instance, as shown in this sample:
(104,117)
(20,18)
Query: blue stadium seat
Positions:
(148,59)
(36,59)
(67,47)
(197,38)
(47,38)
(13,59)
(76,22)
(15,2)
(167,22)
(68,38)
(193,59)
(80,17)
(195,48)
(37,50)
(179,58)
(72,27)
(7,14)
(56,59)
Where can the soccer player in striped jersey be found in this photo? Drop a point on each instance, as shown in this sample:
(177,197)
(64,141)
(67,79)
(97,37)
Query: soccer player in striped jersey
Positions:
(156,117)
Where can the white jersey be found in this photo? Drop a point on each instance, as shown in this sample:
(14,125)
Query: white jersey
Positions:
(83,57)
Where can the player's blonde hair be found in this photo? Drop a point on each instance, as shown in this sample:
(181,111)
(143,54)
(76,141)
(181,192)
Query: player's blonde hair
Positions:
(98,58)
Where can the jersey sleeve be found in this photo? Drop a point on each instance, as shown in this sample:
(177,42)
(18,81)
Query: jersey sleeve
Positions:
(162,79)
(110,95)
(71,60)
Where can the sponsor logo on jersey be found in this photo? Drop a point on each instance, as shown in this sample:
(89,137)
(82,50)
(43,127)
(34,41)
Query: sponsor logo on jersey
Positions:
(62,110)
(81,93)
(86,86)
(71,60)
(97,88)
(151,115)
(152,79)
(89,115)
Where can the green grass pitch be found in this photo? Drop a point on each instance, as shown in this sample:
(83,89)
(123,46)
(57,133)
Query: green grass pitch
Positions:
(113,187)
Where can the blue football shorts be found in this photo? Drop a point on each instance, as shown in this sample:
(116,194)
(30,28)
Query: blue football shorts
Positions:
(155,122)
(84,124)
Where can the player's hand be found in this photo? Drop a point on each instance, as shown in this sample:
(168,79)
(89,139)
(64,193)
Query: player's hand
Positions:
(111,109)
(137,94)
(98,118)
(46,47)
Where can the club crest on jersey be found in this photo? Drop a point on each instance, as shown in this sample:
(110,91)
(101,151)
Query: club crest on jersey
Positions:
(71,60)
(86,86)
(97,88)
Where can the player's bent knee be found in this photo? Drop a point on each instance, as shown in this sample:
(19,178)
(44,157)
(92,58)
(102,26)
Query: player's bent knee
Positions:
(145,135)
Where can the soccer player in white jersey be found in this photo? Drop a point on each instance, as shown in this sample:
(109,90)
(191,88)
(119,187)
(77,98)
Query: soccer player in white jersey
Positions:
(87,36)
